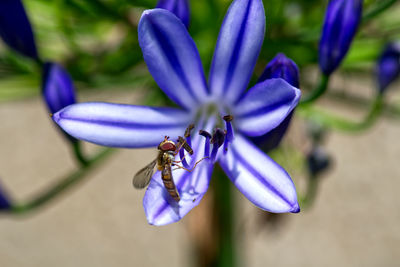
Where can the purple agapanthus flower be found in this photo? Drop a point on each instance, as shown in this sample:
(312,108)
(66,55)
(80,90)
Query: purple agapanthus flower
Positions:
(174,62)
(179,7)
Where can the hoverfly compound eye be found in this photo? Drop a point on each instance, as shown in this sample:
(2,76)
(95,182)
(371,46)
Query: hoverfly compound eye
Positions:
(167,146)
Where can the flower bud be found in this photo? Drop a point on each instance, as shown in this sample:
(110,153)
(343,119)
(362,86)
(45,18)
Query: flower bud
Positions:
(57,88)
(179,8)
(282,67)
(342,18)
(4,201)
(15,28)
(285,68)
(318,161)
(388,67)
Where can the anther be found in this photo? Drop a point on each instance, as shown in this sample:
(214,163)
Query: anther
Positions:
(217,140)
(188,130)
(229,131)
(228,118)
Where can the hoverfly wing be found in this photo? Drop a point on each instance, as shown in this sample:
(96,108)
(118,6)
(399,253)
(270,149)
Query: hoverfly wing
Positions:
(143,176)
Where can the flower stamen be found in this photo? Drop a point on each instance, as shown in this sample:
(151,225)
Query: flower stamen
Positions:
(229,132)
(207,135)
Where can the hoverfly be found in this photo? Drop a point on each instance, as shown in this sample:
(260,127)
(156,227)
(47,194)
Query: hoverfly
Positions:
(167,150)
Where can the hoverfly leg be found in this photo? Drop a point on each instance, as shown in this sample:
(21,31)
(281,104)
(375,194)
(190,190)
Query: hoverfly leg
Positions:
(186,169)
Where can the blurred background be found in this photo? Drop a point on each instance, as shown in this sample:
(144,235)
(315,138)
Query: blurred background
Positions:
(353,220)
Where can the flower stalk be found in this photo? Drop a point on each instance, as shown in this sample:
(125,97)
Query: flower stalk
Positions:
(318,161)
(317,92)
(211,225)
(380,7)
(60,187)
(224,211)
(311,192)
(79,156)
(342,124)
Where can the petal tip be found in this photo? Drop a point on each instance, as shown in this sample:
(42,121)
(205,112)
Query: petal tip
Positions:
(298,94)
(56,117)
(295,208)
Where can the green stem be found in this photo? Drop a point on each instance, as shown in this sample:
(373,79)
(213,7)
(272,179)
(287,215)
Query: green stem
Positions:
(389,110)
(223,204)
(61,186)
(317,92)
(308,199)
(78,153)
(342,124)
(380,7)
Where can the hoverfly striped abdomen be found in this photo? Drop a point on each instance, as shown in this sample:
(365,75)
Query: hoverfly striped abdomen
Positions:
(166,176)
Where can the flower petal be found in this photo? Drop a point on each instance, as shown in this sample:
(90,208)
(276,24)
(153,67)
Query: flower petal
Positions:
(238,46)
(120,125)
(266,184)
(273,138)
(15,28)
(265,106)
(160,208)
(172,57)
(179,7)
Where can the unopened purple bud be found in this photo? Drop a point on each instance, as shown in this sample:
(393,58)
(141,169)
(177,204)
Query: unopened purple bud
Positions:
(282,67)
(318,161)
(4,200)
(388,67)
(57,87)
(179,8)
(15,28)
(342,18)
